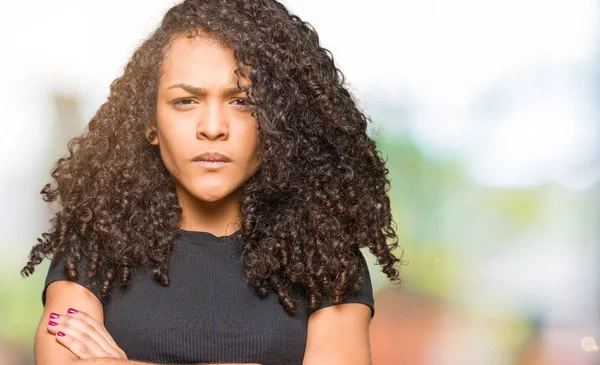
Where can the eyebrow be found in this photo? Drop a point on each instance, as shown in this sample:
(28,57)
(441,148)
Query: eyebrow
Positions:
(202,91)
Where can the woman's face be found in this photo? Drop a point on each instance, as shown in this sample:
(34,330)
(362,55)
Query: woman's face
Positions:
(200,110)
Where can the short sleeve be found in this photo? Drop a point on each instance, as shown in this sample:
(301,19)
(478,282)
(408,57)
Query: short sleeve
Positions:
(363,295)
(56,272)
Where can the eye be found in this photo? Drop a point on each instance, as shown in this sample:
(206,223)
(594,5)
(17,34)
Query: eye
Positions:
(242,103)
(183,103)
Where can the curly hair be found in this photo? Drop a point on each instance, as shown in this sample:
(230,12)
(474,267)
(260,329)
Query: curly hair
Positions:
(319,195)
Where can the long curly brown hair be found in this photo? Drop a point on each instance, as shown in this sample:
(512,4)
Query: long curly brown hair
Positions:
(319,195)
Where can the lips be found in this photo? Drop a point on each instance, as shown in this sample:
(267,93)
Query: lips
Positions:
(211,157)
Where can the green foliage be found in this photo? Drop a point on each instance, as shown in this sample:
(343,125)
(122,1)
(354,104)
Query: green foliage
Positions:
(21,304)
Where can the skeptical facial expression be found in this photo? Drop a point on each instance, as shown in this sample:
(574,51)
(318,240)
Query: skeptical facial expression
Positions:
(200,110)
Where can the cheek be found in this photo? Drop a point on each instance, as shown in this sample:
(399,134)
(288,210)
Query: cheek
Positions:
(172,141)
(168,157)
(252,148)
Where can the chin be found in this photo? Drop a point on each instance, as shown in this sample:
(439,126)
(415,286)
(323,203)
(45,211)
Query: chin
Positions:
(211,193)
(209,198)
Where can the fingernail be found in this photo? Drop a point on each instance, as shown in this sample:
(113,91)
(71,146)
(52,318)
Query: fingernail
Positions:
(71,311)
(52,323)
(54,315)
(60,334)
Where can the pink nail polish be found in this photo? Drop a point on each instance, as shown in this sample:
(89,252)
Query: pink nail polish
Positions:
(71,311)
(60,334)
(52,323)
(54,315)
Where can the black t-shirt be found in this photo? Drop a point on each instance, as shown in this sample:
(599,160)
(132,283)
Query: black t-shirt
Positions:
(207,313)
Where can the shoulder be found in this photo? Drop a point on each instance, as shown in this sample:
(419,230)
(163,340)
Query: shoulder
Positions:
(364,294)
(58,273)
(339,333)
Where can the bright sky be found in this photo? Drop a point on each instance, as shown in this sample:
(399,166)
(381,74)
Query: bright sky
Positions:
(530,59)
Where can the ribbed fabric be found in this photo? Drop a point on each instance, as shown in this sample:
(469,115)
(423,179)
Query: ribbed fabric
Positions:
(207,313)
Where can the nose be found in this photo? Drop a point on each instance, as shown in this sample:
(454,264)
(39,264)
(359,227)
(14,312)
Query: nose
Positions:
(212,123)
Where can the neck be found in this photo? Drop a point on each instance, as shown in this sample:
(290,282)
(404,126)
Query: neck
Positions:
(221,218)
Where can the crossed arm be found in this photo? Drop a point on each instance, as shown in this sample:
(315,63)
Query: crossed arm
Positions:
(69,349)
(336,335)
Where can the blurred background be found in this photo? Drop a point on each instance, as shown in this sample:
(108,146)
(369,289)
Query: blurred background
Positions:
(488,113)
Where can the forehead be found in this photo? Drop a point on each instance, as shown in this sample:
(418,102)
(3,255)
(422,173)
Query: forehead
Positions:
(199,60)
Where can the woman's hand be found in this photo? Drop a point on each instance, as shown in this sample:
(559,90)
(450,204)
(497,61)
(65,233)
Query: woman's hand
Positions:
(83,336)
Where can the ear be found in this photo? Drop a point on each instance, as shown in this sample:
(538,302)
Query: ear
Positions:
(152,134)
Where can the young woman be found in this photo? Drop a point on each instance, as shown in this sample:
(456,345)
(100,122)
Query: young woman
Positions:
(214,210)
